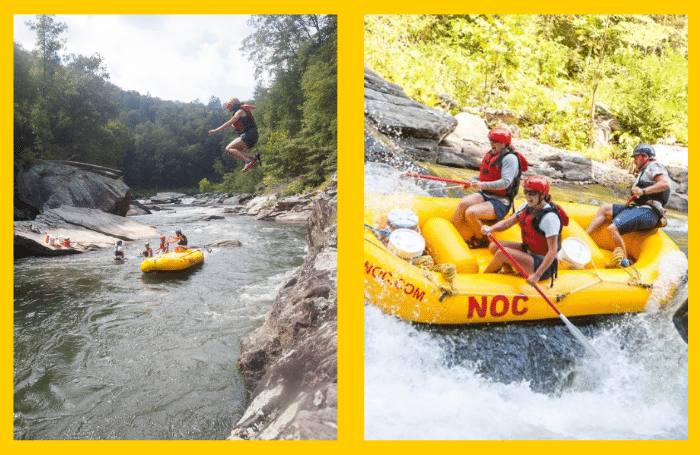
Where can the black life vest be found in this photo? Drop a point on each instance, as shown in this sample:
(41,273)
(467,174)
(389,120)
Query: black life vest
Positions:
(243,124)
(645,183)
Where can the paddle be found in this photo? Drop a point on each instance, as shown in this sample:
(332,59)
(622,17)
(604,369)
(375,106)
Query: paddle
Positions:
(439,179)
(576,332)
(384,233)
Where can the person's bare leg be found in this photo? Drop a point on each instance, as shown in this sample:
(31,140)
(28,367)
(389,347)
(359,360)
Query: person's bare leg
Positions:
(237,147)
(459,216)
(500,260)
(605,211)
(476,213)
(617,238)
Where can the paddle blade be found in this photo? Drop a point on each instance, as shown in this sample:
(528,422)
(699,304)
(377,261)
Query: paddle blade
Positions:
(579,336)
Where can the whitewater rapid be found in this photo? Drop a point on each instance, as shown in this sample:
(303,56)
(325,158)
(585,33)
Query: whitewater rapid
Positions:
(414,390)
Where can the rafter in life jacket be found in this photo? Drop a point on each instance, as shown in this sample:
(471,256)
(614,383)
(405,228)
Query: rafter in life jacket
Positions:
(244,123)
(644,180)
(531,233)
(490,171)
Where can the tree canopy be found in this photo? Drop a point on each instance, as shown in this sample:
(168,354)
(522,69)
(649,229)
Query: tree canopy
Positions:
(66,108)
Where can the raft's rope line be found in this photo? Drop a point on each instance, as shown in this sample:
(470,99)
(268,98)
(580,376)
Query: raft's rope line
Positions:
(635,278)
(448,272)
(617,257)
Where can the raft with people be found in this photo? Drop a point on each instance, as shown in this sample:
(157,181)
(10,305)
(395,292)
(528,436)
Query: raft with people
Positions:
(179,260)
(419,267)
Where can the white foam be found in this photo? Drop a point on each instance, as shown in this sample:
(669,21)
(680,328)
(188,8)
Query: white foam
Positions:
(411,393)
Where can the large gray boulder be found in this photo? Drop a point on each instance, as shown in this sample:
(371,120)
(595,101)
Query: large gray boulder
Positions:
(395,114)
(50,185)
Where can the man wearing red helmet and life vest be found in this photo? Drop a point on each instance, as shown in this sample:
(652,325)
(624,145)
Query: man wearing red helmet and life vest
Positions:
(163,248)
(244,124)
(541,222)
(645,209)
(498,182)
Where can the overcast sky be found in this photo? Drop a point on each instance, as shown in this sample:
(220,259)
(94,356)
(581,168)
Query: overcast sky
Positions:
(172,57)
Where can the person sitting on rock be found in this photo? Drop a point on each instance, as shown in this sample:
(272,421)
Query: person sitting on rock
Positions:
(181,241)
(148,252)
(118,251)
(541,222)
(645,208)
(498,182)
(163,248)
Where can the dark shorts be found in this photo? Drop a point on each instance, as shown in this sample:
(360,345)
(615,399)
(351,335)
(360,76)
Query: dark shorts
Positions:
(538,262)
(250,137)
(499,207)
(639,218)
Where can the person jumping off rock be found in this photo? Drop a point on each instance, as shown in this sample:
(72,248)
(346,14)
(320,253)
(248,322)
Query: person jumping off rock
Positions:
(244,124)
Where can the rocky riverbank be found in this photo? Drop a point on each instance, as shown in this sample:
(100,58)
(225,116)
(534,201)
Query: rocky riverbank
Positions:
(403,133)
(290,363)
(290,209)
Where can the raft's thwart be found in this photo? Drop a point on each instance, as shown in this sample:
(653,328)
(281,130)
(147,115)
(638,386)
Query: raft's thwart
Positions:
(415,291)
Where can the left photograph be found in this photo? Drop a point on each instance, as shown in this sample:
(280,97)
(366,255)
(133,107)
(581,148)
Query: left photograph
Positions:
(175,227)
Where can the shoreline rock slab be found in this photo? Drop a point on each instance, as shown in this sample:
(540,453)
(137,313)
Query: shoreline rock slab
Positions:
(88,230)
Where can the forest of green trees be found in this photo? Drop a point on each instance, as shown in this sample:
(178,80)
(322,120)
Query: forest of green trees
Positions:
(636,65)
(65,108)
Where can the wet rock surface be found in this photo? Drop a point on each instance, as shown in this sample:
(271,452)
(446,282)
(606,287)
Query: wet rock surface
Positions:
(88,230)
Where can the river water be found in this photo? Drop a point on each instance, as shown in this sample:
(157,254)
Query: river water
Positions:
(103,351)
(432,383)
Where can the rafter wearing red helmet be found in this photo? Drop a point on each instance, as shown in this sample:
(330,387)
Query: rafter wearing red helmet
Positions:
(497,185)
(163,247)
(541,222)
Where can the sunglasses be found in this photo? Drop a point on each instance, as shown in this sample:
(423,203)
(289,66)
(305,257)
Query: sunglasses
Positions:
(531,192)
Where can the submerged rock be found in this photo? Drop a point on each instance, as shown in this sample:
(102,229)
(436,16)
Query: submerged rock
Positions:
(680,320)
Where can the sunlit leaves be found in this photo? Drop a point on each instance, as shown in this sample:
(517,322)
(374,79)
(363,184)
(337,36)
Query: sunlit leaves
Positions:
(527,63)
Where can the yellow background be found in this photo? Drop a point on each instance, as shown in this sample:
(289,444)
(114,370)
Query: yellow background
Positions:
(350,178)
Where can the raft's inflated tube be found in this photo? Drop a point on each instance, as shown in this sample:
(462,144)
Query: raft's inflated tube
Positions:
(445,245)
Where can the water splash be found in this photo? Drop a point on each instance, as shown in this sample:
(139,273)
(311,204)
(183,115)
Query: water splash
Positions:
(425,384)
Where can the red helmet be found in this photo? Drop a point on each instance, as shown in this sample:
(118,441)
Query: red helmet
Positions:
(162,237)
(500,135)
(233,103)
(537,183)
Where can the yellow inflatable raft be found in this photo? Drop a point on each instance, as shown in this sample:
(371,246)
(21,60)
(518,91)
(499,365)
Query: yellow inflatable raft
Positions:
(172,262)
(427,289)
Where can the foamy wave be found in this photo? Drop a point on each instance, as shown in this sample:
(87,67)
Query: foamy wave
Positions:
(671,275)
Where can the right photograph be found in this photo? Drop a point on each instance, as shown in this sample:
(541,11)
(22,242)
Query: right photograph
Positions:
(526,227)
